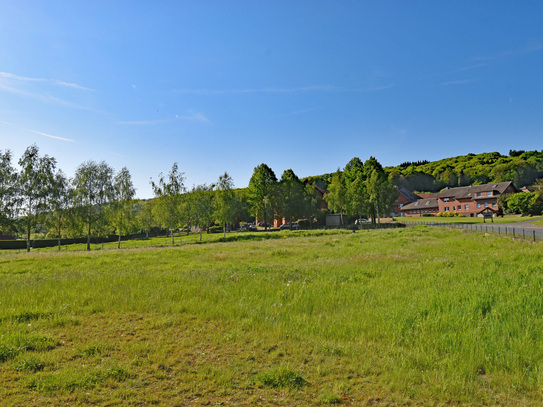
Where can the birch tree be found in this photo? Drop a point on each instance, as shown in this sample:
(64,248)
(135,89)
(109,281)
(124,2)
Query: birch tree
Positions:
(124,192)
(60,199)
(224,201)
(8,191)
(34,182)
(168,191)
(93,190)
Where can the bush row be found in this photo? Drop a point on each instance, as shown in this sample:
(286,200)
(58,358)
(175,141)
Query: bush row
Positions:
(450,215)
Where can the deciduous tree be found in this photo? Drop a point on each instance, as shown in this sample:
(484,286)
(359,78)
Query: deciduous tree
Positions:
(8,191)
(34,182)
(169,198)
(292,197)
(93,190)
(224,201)
(124,192)
(60,199)
(201,198)
(262,191)
(145,217)
(337,197)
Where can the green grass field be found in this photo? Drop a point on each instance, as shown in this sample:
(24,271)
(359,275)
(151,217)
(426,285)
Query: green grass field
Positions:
(416,316)
(463,219)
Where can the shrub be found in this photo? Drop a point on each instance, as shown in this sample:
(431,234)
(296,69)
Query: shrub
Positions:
(304,223)
(427,215)
(215,229)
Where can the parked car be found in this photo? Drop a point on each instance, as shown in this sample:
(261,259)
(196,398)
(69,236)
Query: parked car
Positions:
(245,228)
(361,221)
(286,226)
(262,224)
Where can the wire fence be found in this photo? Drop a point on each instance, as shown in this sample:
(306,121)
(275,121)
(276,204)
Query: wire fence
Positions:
(515,232)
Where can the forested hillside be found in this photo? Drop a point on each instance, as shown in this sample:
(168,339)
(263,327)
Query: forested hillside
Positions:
(521,167)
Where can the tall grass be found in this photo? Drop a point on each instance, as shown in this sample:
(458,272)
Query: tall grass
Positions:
(421,314)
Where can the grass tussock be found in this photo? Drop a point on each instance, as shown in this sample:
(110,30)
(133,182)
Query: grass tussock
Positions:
(280,377)
(72,381)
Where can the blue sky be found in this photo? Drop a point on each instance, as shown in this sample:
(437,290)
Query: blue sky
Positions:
(226,85)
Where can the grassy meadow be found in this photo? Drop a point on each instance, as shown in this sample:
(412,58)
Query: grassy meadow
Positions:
(465,219)
(416,316)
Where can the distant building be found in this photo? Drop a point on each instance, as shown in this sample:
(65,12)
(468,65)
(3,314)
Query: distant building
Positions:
(405,197)
(469,201)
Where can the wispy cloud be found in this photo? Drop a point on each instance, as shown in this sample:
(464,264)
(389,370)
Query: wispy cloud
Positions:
(303,89)
(458,82)
(302,111)
(144,122)
(528,49)
(467,68)
(191,115)
(194,116)
(18,78)
(43,97)
(38,132)
(486,60)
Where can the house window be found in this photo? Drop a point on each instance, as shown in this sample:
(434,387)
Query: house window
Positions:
(478,205)
(493,203)
(489,194)
(446,209)
(400,205)
(454,199)
(486,204)
(445,199)
(466,207)
(478,194)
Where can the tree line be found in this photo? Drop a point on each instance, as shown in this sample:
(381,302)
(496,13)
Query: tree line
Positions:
(39,199)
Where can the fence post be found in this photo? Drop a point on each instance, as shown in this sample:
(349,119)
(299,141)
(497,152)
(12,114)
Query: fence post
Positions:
(523,234)
(513,233)
(533,231)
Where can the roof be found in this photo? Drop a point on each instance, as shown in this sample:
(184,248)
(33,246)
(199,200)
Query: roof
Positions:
(407,193)
(471,191)
(428,195)
(425,203)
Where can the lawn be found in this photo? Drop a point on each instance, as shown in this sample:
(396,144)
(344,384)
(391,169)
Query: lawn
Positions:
(416,316)
(463,219)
